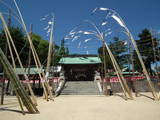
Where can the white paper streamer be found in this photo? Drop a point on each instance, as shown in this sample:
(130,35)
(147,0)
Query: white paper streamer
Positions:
(87,40)
(108,33)
(79,44)
(125,43)
(66,38)
(104,23)
(42,19)
(87,33)
(46,27)
(93,11)
(80,31)
(103,9)
(50,22)
(109,29)
(75,38)
(118,20)
(49,30)
(87,52)
(72,36)
(72,30)
(71,33)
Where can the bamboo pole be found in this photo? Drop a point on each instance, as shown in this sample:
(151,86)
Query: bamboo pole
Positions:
(18,87)
(114,62)
(154,52)
(51,45)
(50,49)
(2,92)
(37,61)
(123,79)
(10,49)
(105,86)
(104,60)
(29,53)
(119,78)
(35,57)
(6,53)
(9,24)
(143,66)
(45,83)
(20,103)
(156,97)
(11,40)
(30,88)
(118,72)
(133,71)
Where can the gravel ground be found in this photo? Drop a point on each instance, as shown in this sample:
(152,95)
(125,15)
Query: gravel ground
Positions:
(86,107)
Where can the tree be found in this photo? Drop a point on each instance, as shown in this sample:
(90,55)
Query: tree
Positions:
(146,44)
(23,46)
(118,49)
(61,52)
(42,47)
(18,38)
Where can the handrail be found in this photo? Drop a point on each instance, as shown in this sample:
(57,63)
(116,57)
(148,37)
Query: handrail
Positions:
(61,84)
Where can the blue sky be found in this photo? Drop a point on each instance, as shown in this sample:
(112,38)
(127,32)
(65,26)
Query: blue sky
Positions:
(137,14)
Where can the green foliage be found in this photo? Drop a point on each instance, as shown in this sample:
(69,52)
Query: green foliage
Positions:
(61,52)
(107,58)
(42,50)
(23,46)
(18,38)
(145,45)
(2,40)
(118,49)
(41,47)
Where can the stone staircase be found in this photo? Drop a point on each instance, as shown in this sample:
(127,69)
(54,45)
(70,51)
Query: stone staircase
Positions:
(80,88)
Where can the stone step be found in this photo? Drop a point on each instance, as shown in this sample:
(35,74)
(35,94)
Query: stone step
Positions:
(80,88)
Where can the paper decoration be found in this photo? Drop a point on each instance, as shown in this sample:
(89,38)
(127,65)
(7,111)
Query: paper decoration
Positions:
(118,20)
(103,9)
(87,40)
(104,23)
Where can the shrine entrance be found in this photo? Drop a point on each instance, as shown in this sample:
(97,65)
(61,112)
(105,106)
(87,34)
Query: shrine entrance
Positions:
(79,72)
(80,68)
